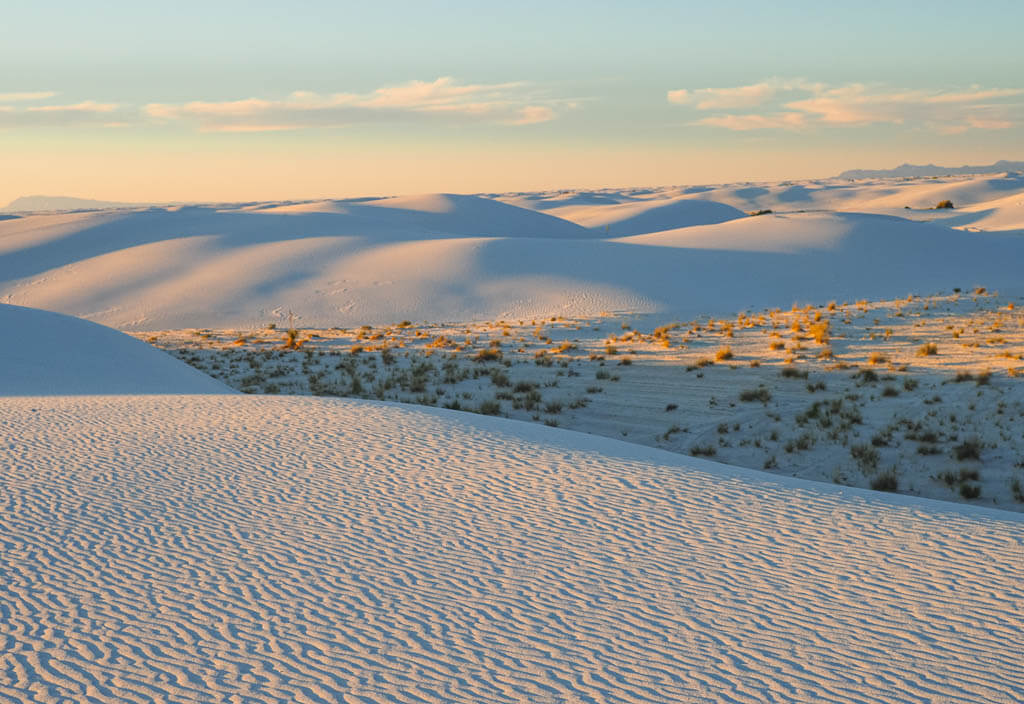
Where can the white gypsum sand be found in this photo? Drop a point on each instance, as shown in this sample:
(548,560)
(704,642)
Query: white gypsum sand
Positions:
(203,548)
(673,252)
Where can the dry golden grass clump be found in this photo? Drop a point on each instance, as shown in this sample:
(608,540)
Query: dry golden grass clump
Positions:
(820,331)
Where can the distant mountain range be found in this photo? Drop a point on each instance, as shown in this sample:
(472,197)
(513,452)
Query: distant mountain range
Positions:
(929,170)
(37,203)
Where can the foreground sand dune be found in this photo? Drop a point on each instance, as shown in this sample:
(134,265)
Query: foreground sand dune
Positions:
(219,548)
(51,354)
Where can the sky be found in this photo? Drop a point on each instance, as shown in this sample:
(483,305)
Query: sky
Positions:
(234,101)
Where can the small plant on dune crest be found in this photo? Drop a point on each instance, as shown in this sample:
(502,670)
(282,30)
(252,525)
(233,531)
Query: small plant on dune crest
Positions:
(944,204)
(291,340)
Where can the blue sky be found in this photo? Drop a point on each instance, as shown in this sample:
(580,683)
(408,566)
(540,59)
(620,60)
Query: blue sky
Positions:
(240,100)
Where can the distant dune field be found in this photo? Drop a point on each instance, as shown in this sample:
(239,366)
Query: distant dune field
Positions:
(447,258)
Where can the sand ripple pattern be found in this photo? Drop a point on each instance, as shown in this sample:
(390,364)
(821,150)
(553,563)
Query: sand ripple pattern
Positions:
(219,549)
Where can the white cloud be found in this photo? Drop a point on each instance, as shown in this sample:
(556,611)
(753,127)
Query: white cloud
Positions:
(86,106)
(797,103)
(24,97)
(502,103)
(85,113)
(739,96)
(743,123)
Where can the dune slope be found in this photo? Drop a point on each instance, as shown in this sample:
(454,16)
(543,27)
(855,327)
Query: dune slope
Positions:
(331,264)
(216,548)
(51,354)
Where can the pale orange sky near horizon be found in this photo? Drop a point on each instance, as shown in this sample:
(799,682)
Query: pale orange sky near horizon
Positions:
(177,174)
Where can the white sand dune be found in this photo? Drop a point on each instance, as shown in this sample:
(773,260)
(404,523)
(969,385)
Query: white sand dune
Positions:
(51,354)
(220,548)
(642,216)
(444,257)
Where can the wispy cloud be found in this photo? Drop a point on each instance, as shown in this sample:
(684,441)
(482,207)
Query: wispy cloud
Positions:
(88,106)
(84,113)
(21,97)
(739,96)
(743,123)
(444,98)
(797,104)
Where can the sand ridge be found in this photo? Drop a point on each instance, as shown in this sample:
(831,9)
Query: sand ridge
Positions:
(203,548)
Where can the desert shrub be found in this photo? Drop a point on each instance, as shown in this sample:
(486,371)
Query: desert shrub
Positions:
(927,350)
(553,407)
(759,394)
(490,408)
(671,407)
(1018,492)
(866,456)
(970,491)
(777,345)
(625,362)
(866,376)
(703,451)
(968,450)
(983,378)
(489,354)
(763,211)
(885,482)
(819,331)
(890,391)
(793,373)
(816,386)
(928,450)
(962,377)
(910,384)
(723,354)
(877,358)
(943,204)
